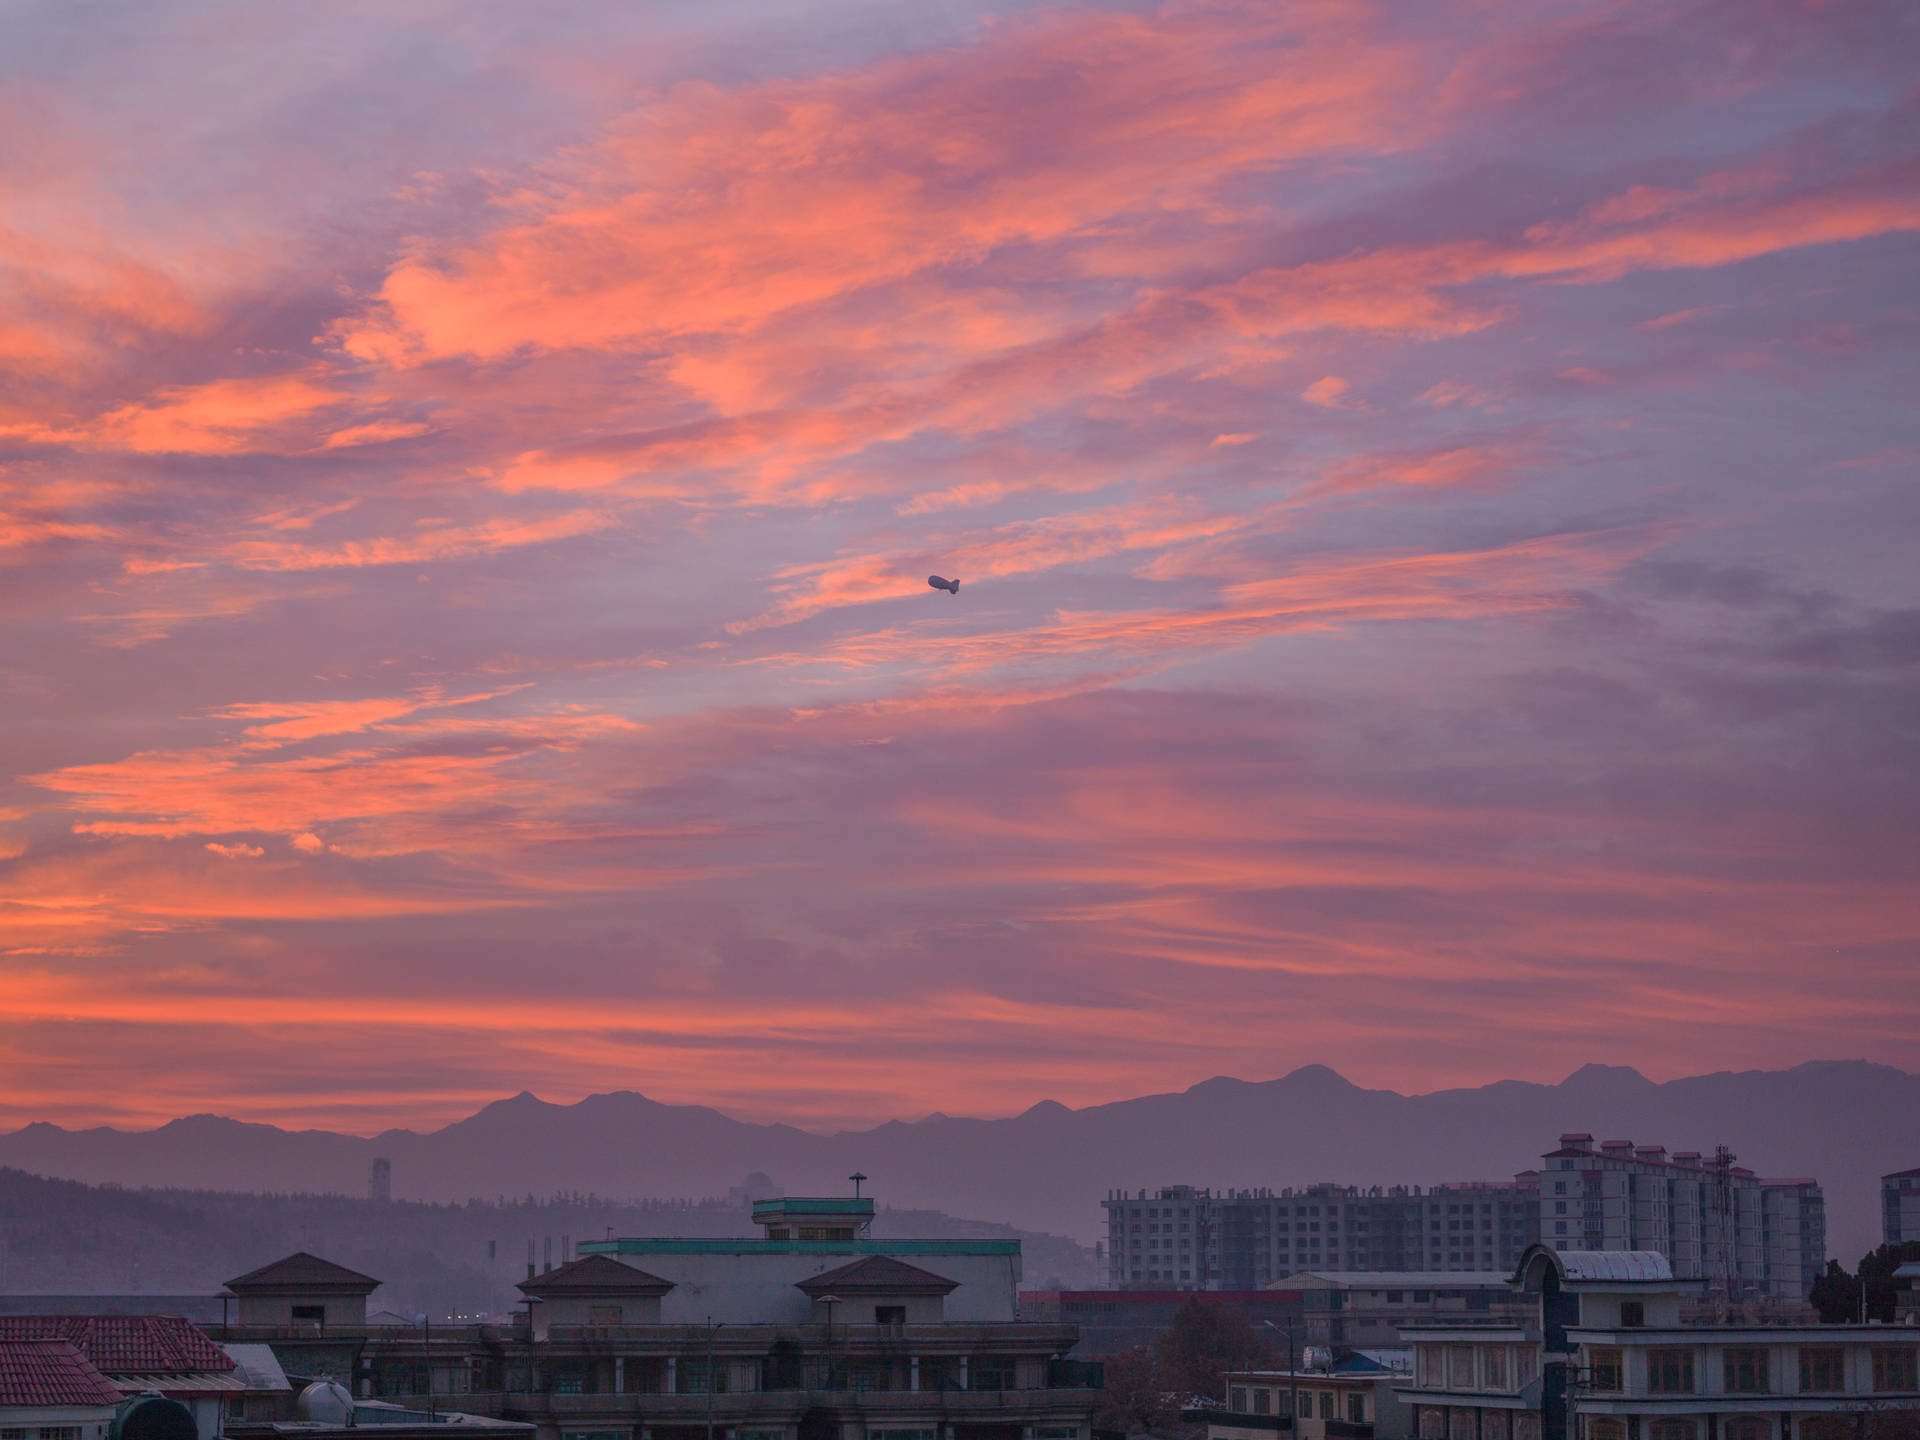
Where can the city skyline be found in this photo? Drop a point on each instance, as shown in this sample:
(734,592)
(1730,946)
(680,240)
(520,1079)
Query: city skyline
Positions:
(1433,491)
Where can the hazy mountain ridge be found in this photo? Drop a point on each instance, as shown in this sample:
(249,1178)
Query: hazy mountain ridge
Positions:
(1842,1122)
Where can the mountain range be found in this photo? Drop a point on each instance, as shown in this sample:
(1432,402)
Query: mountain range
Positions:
(1843,1123)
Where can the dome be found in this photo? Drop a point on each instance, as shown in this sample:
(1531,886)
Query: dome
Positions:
(328,1402)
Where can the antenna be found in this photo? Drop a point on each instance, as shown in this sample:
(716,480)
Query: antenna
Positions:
(856,1177)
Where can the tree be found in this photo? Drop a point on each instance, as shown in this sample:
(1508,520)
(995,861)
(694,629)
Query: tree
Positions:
(1204,1341)
(1136,1401)
(1836,1295)
(1876,1277)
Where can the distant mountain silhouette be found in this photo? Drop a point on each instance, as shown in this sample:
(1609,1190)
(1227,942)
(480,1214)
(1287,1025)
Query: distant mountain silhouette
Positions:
(1842,1122)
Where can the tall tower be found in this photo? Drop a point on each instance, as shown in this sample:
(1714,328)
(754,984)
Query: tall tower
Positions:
(380,1184)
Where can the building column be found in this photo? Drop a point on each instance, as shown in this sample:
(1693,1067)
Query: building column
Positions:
(913,1372)
(964,1383)
(673,1375)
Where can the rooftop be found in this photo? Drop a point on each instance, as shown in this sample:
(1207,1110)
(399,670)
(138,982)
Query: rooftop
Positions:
(301,1270)
(125,1344)
(597,1275)
(1402,1279)
(740,1245)
(879,1274)
(50,1373)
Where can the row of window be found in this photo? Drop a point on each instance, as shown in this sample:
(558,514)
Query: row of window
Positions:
(1746,1370)
(1267,1402)
(45,1432)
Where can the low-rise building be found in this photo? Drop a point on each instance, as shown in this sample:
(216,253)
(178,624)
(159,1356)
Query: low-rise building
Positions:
(811,1331)
(145,1354)
(49,1390)
(1110,1321)
(1352,1398)
(1612,1356)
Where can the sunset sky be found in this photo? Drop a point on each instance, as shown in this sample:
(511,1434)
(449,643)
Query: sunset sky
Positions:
(1434,487)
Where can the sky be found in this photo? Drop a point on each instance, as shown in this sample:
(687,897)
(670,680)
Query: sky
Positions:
(1433,488)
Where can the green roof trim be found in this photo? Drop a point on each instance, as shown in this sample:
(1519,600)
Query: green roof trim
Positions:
(796,1247)
(797,1205)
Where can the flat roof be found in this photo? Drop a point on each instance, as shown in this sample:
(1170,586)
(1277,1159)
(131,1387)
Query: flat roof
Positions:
(1405,1279)
(746,1245)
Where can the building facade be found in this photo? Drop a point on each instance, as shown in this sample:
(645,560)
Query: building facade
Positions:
(1712,1220)
(1610,1356)
(1900,1206)
(1188,1238)
(1754,1237)
(813,1331)
(1352,1399)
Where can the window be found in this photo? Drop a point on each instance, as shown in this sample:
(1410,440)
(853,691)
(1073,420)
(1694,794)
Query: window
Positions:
(1432,1369)
(1262,1401)
(1744,1370)
(1633,1314)
(309,1314)
(59,1432)
(1493,1368)
(1746,1427)
(1671,1430)
(1606,1371)
(1326,1404)
(1237,1399)
(604,1315)
(1670,1371)
(1599,1429)
(994,1372)
(1357,1407)
(1894,1369)
(1459,1367)
(889,1314)
(1823,1369)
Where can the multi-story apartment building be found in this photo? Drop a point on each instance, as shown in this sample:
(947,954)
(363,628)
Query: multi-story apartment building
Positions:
(1712,1220)
(1183,1237)
(1715,1220)
(1607,1356)
(1900,1206)
(812,1331)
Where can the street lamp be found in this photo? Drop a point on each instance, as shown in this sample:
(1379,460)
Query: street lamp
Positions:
(1293,1380)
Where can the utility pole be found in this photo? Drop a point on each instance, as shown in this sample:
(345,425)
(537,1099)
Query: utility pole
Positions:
(1293,1380)
(711,1328)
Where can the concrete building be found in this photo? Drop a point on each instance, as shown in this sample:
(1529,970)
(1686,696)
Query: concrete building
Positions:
(49,1390)
(1900,1207)
(1711,1219)
(1353,1398)
(1193,1239)
(812,1331)
(1608,1355)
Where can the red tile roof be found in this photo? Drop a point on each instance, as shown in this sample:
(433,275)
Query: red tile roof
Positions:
(124,1344)
(50,1372)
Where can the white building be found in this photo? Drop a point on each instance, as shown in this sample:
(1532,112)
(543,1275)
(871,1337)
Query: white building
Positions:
(1611,1359)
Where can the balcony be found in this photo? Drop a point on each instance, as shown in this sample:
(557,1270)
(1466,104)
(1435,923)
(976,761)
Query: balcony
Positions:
(746,1407)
